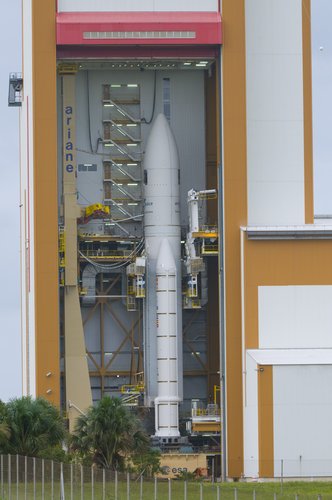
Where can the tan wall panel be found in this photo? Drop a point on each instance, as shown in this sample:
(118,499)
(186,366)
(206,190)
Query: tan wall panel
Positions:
(265,421)
(235,215)
(275,263)
(307,111)
(172,465)
(45,199)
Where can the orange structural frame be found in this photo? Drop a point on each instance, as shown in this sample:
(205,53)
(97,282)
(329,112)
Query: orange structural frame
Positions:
(45,200)
(235,215)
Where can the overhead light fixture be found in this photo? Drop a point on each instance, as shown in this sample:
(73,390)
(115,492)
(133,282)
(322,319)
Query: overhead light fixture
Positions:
(187,64)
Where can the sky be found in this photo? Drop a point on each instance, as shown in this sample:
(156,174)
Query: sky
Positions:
(10,336)
(10,61)
(322,104)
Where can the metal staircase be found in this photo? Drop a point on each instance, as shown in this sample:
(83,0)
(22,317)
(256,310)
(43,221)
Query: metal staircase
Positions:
(122,166)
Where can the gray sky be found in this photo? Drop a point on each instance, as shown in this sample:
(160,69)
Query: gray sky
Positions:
(10,347)
(10,60)
(322,104)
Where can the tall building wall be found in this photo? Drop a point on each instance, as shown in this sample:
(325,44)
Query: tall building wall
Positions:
(276,289)
(275,112)
(26,213)
(274,275)
(39,234)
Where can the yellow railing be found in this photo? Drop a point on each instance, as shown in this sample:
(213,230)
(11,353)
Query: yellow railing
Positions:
(205,412)
(132,389)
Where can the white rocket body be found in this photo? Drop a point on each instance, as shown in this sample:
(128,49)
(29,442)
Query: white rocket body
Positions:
(163,306)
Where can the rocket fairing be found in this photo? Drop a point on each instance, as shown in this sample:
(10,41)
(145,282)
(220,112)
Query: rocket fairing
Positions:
(163,305)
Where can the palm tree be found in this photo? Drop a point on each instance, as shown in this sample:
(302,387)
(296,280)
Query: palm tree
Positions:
(4,436)
(4,429)
(31,425)
(109,434)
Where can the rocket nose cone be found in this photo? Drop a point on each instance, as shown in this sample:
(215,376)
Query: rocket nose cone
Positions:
(161,121)
(161,150)
(165,260)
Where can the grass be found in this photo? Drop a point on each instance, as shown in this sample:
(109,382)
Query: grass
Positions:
(244,491)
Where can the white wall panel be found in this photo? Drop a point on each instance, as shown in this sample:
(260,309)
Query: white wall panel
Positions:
(302,420)
(295,317)
(137,5)
(275,145)
(27,211)
(250,416)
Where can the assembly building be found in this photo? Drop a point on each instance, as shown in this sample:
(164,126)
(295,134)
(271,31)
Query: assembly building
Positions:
(169,251)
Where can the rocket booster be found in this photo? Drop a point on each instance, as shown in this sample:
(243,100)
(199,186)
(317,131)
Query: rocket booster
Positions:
(163,306)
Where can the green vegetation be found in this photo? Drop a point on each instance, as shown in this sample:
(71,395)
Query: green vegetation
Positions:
(264,491)
(29,426)
(109,435)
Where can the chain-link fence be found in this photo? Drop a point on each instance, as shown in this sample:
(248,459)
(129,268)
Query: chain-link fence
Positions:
(38,479)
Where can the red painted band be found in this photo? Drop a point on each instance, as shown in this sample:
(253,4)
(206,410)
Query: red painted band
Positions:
(206,27)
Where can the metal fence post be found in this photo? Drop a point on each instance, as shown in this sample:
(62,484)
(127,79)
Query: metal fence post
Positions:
(218,492)
(274,496)
(62,483)
(282,476)
(71,482)
(185,490)
(92,484)
(254,495)
(128,486)
(9,477)
(43,479)
(141,488)
(201,491)
(235,494)
(155,487)
(52,480)
(116,485)
(169,489)
(82,484)
(25,478)
(1,466)
(104,487)
(34,477)
(17,475)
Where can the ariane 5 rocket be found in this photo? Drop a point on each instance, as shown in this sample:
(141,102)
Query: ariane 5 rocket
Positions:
(163,305)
